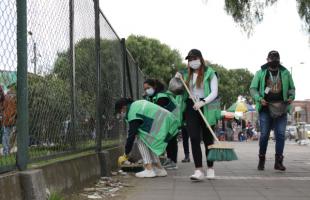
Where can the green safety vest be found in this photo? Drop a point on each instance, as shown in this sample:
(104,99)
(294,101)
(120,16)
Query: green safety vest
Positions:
(182,105)
(158,127)
(173,106)
(211,111)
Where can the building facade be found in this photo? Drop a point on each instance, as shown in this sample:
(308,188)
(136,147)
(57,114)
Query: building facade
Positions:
(300,112)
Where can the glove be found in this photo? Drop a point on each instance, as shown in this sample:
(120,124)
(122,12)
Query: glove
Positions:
(122,159)
(198,105)
(178,75)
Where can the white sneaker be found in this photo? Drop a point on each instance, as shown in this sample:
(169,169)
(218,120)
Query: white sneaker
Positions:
(146,174)
(210,173)
(160,172)
(198,175)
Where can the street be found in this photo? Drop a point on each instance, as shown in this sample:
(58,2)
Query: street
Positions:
(235,180)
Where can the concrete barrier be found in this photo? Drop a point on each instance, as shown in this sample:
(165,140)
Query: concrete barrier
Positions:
(10,187)
(64,176)
(33,185)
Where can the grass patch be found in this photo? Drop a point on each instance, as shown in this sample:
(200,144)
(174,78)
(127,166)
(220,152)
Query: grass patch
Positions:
(72,155)
(65,153)
(55,196)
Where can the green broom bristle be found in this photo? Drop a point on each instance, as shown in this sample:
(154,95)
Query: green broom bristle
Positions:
(221,152)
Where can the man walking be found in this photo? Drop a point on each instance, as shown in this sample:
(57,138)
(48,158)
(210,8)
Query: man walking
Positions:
(273,90)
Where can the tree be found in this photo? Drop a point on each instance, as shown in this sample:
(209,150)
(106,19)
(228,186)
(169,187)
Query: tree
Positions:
(155,59)
(49,107)
(111,60)
(248,13)
(232,83)
(86,74)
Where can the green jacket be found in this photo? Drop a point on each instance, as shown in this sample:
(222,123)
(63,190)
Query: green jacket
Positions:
(158,127)
(173,106)
(257,88)
(211,111)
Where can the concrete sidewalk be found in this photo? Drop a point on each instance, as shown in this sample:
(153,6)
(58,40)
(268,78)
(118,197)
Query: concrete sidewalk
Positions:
(235,180)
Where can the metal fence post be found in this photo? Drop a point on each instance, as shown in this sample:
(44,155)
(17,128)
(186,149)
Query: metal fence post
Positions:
(22,87)
(127,69)
(124,66)
(98,66)
(73,85)
(137,77)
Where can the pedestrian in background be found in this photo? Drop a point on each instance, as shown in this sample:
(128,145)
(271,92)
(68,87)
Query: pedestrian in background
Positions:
(1,114)
(203,84)
(184,134)
(9,117)
(273,90)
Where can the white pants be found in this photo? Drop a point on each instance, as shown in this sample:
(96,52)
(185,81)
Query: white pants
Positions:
(147,155)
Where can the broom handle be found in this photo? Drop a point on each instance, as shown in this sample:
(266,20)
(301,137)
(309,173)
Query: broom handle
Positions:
(201,114)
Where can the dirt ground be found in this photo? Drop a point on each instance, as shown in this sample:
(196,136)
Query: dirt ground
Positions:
(111,188)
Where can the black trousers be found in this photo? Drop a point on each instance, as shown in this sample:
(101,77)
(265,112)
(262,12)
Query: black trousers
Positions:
(185,138)
(172,149)
(195,128)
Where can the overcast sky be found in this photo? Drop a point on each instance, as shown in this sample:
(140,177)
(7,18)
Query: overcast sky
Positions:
(187,24)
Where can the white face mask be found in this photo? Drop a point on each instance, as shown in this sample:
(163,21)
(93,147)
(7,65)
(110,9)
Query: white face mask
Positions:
(150,92)
(194,64)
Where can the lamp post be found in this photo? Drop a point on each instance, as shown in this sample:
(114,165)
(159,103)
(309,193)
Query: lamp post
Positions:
(300,63)
(34,49)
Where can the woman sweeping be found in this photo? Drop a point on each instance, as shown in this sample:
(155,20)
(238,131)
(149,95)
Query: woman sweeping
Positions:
(203,84)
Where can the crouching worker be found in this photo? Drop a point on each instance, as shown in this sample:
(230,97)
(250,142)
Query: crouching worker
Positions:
(152,126)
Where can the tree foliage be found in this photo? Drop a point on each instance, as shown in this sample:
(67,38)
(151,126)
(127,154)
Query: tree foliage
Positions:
(49,106)
(232,83)
(247,13)
(86,73)
(155,59)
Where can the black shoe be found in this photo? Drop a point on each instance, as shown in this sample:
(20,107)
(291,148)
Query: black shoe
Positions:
(186,159)
(278,165)
(261,162)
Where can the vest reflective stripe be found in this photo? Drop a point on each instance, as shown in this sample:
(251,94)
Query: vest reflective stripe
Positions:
(158,124)
(155,127)
(214,105)
(173,107)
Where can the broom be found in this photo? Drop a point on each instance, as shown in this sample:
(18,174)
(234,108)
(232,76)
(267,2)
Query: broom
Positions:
(218,151)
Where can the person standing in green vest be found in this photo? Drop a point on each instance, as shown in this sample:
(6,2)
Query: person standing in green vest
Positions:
(202,82)
(154,91)
(273,90)
(152,126)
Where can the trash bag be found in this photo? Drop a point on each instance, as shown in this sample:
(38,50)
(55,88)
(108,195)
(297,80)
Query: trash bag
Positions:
(176,86)
(122,159)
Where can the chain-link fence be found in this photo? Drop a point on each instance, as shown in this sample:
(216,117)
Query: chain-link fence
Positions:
(75,74)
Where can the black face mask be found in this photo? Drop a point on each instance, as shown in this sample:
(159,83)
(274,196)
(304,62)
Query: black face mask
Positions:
(274,64)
